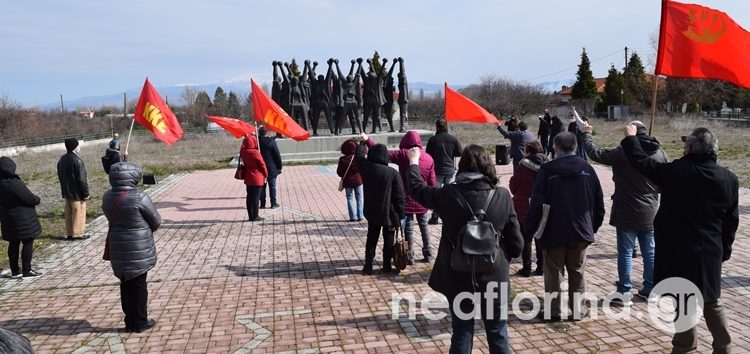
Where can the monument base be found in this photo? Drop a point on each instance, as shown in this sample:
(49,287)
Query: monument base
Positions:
(328,148)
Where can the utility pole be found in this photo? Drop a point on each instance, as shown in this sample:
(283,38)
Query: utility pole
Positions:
(626,58)
(62,105)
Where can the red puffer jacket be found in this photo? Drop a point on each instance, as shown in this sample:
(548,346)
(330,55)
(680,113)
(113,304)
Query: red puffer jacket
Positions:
(521,183)
(352,178)
(255,168)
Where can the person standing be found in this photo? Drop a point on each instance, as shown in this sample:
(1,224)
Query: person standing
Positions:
(475,187)
(384,202)
(521,184)
(351,180)
(133,219)
(255,172)
(556,127)
(443,148)
(571,188)
(518,139)
(545,126)
(18,219)
(112,155)
(71,173)
(575,128)
(694,232)
(272,158)
(634,206)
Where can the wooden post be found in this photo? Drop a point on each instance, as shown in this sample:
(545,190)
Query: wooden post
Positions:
(62,105)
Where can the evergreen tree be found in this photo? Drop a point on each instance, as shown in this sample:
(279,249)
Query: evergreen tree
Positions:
(584,88)
(233,105)
(637,89)
(613,88)
(294,68)
(203,103)
(376,65)
(220,102)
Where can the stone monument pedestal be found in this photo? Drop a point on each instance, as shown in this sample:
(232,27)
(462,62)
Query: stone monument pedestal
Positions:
(327,148)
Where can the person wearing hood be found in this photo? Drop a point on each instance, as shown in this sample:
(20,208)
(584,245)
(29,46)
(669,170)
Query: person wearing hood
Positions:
(634,206)
(272,158)
(112,155)
(695,225)
(351,180)
(413,209)
(75,189)
(518,139)
(18,219)
(571,188)
(133,219)
(520,185)
(384,202)
(255,172)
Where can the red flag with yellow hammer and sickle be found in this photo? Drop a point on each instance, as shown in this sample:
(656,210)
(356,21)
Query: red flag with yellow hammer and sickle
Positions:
(152,113)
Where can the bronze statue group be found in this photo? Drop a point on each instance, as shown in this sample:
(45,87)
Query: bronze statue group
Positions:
(360,96)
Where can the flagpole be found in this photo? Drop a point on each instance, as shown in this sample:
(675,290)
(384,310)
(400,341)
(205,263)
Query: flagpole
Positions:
(127,144)
(653,105)
(662,32)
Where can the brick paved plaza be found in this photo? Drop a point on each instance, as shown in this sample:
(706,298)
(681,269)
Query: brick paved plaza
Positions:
(292,283)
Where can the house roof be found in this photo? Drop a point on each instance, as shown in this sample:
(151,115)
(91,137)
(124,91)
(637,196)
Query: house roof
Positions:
(568,90)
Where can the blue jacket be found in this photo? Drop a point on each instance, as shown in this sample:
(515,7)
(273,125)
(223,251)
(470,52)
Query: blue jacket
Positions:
(572,189)
(518,140)
(271,155)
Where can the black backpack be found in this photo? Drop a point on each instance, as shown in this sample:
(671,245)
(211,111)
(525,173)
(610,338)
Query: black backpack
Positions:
(478,245)
(107,162)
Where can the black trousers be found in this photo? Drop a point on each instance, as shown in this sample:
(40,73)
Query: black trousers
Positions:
(28,251)
(252,201)
(134,298)
(526,253)
(373,234)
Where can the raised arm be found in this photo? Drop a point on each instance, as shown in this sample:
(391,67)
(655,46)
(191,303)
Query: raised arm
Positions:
(393,66)
(275,71)
(329,72)
(607,157)
(283,73)
(382,67)
(401,66)
(338,70)
(659,173)
(351,68)
(306,70)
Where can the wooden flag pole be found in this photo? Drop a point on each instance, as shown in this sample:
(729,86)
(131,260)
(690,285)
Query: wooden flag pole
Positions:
(653,105)
(127,144)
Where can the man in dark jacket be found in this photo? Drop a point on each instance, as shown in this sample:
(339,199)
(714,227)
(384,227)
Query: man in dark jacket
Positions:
(272,157)
(443,148)
(556,127)
(133,218)
(112,155)
(695,225)
(518,140)
(75,189)
(18,218)
(634,205)
(384,202)
(545,126)
(569,185)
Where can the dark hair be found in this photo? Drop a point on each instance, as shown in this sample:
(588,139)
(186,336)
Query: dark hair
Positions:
(476,159)
(522,125)
(441,125)
(262,131)
(565,142)
(534,147)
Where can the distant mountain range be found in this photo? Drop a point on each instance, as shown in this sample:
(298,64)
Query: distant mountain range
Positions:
(173,94)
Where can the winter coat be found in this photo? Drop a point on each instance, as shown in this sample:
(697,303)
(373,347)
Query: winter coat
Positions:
(271,155)
(71,172)
(113,156)
(426,166)
(518,140)
(352,178)
(696,223)
(522,182)
(545,125)
(444,279)
(572,189)
(580,149)
(131,224)
(556,127)
(444,148)
(383,191)
(18,218)
(636,198)
(255,168)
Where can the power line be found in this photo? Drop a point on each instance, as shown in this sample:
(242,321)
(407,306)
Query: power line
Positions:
(576,66)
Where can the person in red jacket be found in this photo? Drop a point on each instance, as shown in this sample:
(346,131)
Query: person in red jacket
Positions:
(352,180)
(255,172)
(521,184)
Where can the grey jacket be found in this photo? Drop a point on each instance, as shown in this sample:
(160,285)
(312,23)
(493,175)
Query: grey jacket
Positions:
(132,223)
(636,198)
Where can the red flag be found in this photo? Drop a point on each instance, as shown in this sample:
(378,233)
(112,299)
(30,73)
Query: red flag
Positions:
(154,115)
(234,126)
(458,108)
(273,116)
(700,42)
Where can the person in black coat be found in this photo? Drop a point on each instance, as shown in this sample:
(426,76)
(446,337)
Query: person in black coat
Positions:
(71,172)
(545,127)
(475,179)
(556,127)
(444,148)
(384,202)
(695,226)
(18,218)
(133,219)
(112,155)
(272,157)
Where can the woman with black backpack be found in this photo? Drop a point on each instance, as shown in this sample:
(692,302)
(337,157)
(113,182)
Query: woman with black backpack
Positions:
(474,194)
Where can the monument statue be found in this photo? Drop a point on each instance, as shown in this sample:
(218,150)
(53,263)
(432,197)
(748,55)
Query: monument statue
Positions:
(350,94)
(337,100)
(297,108)
(403,96)
(388,91)
(373,96)
(322,98)
(276,85)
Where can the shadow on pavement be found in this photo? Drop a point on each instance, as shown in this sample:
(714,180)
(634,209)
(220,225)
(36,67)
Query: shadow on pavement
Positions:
(52,326)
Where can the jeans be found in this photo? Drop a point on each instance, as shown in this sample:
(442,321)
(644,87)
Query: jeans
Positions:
(251,202)
(28,251)
(409,234)
(463,330)
(687,342)
(134,300)
(373,234)
(355,206)
(271,184)
(625,244)
(441,180)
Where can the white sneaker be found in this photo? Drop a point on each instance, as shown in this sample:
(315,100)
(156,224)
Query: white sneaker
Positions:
(617,299)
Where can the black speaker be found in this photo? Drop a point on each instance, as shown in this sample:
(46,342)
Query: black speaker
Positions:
(502,154)
(149,179)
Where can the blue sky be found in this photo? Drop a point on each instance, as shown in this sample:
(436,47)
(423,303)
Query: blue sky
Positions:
(81,48)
